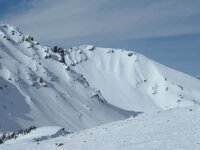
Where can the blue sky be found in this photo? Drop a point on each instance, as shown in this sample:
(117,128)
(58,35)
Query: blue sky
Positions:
(167,31)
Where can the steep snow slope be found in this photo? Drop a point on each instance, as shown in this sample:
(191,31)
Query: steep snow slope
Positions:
(133,82)
(37,89)
(175,129)
(8,106)
(83,86)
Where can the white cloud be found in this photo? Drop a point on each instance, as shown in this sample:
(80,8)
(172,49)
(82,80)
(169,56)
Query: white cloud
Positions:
(62,19)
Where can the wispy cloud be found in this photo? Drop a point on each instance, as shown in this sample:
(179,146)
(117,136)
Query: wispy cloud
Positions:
(116,19)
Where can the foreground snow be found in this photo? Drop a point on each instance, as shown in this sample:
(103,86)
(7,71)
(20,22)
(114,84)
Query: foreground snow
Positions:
(176,129)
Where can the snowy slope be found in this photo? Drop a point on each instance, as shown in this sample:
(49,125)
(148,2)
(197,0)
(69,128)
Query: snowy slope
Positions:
(175,129)
(46,91)
(137,82)
(82,87)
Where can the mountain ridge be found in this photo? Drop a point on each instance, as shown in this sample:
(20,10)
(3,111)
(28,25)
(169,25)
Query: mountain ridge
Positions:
(82,87)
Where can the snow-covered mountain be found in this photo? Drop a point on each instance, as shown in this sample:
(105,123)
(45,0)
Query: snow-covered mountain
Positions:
(38,89)
(84,86)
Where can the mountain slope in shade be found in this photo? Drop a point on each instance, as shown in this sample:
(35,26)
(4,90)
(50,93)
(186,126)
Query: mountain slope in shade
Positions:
(82,87)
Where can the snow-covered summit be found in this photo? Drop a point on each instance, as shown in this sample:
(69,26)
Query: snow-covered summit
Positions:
(84,86)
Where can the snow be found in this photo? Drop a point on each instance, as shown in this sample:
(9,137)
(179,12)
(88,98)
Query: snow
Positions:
(171,129)
(86,86)
(139,83)
(59,100)
(39,134)
(8,107)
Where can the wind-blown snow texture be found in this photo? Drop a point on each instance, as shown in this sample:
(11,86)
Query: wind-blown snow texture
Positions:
(84,86)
